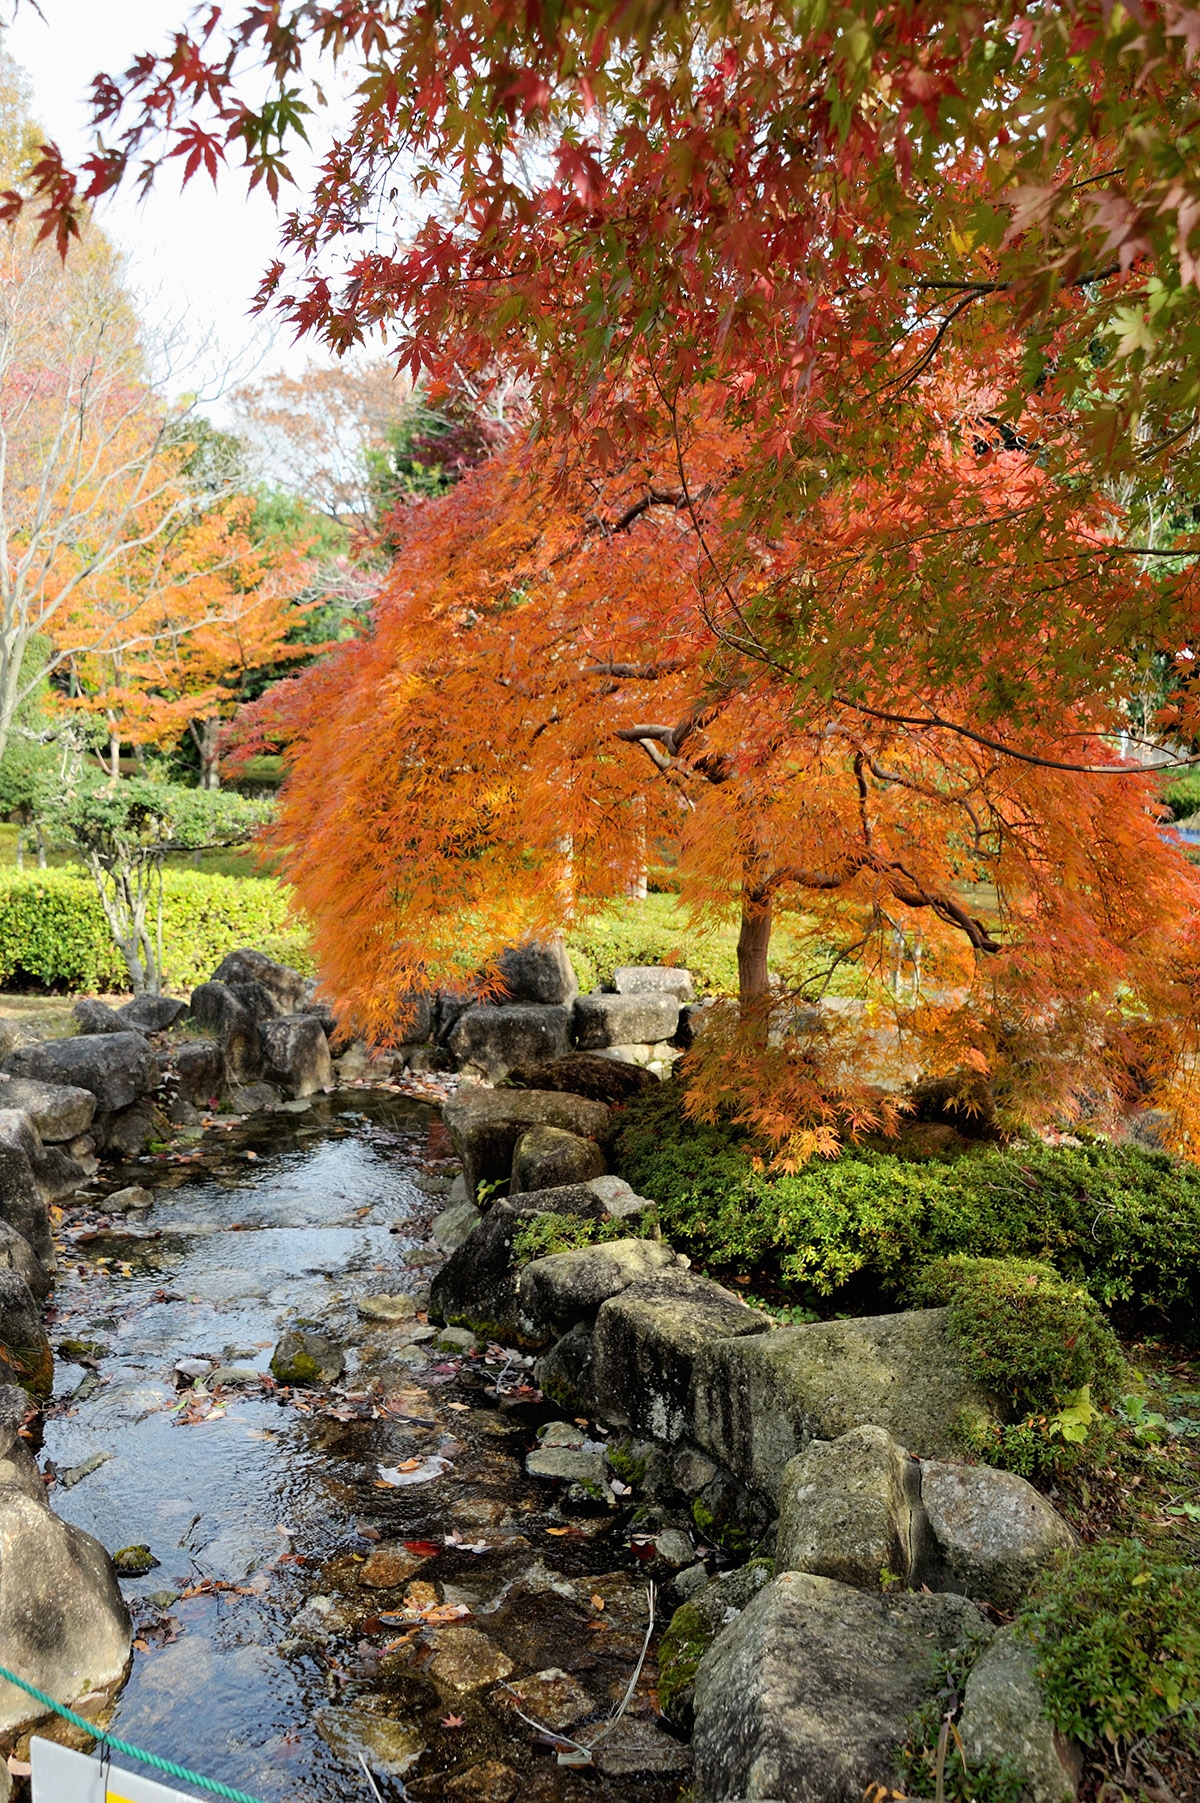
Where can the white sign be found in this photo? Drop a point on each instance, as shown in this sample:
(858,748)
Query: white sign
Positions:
(63,1776)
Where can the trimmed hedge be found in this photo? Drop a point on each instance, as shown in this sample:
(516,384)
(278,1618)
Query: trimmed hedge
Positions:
(1123,1220)
(53,932)
(654,931)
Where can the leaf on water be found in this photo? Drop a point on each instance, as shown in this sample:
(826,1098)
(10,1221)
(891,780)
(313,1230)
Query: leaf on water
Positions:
(453,1721)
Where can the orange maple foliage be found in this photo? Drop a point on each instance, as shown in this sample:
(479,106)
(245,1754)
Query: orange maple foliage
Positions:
(560,674)
(196,615)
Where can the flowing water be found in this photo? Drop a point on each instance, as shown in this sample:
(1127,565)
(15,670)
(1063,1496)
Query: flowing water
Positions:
(270,1654)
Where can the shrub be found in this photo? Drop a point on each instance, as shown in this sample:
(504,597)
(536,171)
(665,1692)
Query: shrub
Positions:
(1121,1219)
(1023,1332)
(1117,1628)
(654,931)
(53,930)
(544,1234)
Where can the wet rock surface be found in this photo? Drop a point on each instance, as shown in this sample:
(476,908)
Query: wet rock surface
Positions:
(321,1609)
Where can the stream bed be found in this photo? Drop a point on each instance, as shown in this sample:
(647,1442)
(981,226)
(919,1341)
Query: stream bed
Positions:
(347,1577)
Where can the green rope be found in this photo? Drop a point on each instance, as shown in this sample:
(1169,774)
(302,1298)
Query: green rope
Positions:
(122,1746)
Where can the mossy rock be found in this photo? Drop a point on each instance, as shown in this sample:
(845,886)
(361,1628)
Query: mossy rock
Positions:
(134,1561)
(303,1358)
(692,1630)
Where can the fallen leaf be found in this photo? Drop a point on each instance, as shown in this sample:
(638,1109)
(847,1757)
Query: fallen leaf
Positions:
(410,1464)
(424,1549)
(20,1768)
(597,1602)
(462,1407)
(558,1531)
(448,1721)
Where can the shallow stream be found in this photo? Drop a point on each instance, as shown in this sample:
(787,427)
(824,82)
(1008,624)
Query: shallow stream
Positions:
(270,1652)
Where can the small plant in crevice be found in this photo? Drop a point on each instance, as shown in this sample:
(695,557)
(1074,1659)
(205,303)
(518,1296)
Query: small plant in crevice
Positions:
(541,1235)
(933,1761)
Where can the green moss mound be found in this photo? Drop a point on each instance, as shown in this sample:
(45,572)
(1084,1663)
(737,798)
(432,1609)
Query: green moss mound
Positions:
(1024,1332)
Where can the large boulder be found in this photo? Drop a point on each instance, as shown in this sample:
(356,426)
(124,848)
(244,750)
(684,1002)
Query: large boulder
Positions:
(55,1172)
(477,1286)
(118,1068)
(1004,1723)
(620,1020)
(223,1011)
(59,1111)
(585,1074)
(295,1054)
(566,1287)
(485,1125)
(654,979)
(287,988)
(63,1624)
(848,1508)
(490,1041)
(199,1070)
(548,1157)
(692,1630)
(23,1202)
(151,1013)
(25,1354)
(757,1402)
(91,1015)
(646,1341)
(808,1694)
(16,1254)
(538,973)
(990,1532)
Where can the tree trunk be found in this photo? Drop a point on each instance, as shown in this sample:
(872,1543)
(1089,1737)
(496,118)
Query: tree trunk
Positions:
(207,737)
(754,939)
(41,847)
(114,750)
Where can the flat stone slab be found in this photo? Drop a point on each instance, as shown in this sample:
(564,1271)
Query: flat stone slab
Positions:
(566,1287)
(757,1402)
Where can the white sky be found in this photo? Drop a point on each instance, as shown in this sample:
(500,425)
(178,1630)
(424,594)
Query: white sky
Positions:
(195,256)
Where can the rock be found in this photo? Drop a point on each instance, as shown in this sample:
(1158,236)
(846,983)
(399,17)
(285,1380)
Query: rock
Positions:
(151,1013)
(551,1697)
(1003,1722)
(548,1157)
(566,1287)
(563,1373)
(26,1350)
(59,1111)
(674,1547)
(569,1465)
(455,1339)
(388,1567)
(303,1357)
(235,1377)
(76,1473)
(390,1748)
(199,1069)
(54,1171)
(692,1630)
(622,1202)
(758,1401)
(585,1074)
(134,1561)
(692,1470)
(414,1017)
(654,979)
(289,991)
(808,1694)
(646,1340)
(17,1255)
(465,1659)
(638,1748)
(387,1308)
(488,1782)
(118,1068)
(22,1199)
(477,1286)
(63,1624)
(130,1200)
(611,1020)
(485,1125)
(491,1041)
(131,1131)
(254,1098)
(455,1225)
(846,1510)
(991,1532)
(223,1011)
(93,1016)
(296,1054)
(538,973)
(689,1582)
